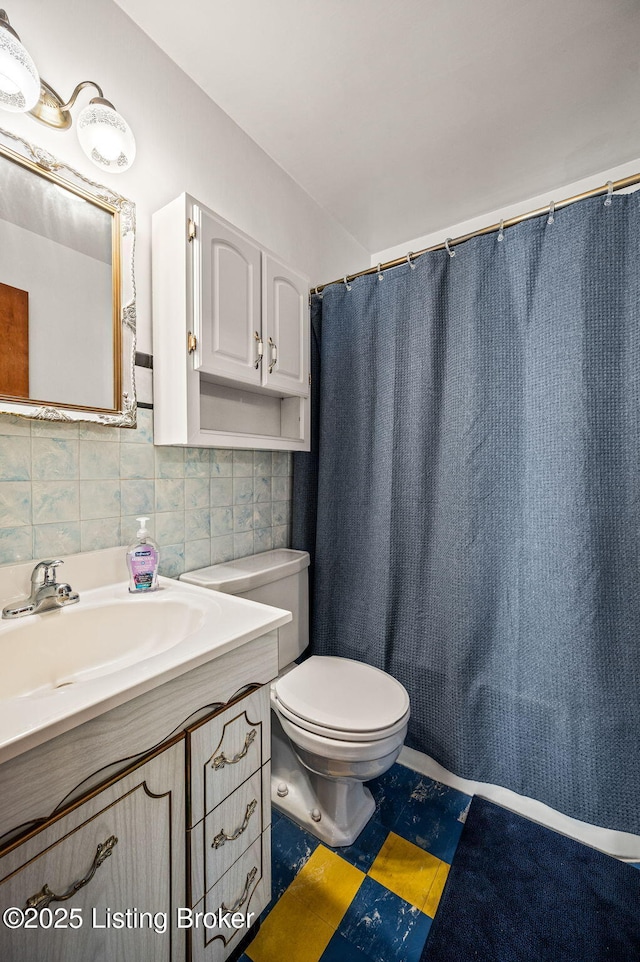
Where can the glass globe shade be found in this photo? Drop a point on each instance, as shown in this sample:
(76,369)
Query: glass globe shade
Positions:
(19,79)
(106,137)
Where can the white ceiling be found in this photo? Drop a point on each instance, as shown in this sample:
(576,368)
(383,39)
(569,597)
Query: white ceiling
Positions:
(406,116)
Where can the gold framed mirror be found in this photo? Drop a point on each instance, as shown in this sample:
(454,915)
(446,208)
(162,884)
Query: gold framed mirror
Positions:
(67,292)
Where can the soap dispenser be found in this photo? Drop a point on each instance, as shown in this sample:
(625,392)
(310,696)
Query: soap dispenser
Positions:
(143,558)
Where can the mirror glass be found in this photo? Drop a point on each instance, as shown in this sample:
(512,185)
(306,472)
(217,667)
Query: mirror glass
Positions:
(67,308)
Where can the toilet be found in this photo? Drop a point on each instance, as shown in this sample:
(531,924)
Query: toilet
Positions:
(336,723)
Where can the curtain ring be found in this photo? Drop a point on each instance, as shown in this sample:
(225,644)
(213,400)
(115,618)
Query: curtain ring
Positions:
(318,293)
(346,283)
(449,251)
(501,231)
(607,200)
(551,217)
(410,262)
(380,274)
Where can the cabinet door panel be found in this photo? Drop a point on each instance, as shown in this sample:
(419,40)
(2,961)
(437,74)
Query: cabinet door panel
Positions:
(226,301)
(285,328)
(143,813)
(227,750)
(245,888)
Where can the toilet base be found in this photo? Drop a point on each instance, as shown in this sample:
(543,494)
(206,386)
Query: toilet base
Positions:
(345,805)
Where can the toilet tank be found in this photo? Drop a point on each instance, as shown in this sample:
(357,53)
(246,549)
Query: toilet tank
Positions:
(279,577)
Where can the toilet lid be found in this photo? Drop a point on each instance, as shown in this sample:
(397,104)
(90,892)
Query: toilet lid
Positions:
(340,694)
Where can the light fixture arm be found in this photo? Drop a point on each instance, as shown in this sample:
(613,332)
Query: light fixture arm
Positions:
(4,22)
(74,95)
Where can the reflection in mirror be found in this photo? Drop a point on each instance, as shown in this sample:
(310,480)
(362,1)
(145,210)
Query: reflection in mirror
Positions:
(67,292)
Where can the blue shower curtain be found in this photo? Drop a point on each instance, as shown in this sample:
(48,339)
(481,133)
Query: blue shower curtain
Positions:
(472,501)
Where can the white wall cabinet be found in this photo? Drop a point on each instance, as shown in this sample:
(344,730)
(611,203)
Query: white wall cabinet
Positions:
(230,336)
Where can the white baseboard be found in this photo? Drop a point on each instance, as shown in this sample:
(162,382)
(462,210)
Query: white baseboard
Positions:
(622,845)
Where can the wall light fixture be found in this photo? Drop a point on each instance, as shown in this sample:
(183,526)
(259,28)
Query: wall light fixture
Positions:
(104,134)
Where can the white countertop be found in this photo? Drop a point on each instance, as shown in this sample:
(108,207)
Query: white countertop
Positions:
(218,623)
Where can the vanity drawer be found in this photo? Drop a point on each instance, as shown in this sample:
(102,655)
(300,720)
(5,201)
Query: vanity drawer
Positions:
(227,749)
(246,888)
(244,814)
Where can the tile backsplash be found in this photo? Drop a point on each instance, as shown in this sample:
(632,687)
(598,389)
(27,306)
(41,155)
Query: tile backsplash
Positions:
(66,488)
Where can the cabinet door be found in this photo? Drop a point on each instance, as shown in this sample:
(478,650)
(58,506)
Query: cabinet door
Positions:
(226,299)
(115,864)
(285,328)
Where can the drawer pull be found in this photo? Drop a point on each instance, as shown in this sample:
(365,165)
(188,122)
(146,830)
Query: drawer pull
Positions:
(245,895)
(222,837)
(274,355)
(221,760)
(45,896)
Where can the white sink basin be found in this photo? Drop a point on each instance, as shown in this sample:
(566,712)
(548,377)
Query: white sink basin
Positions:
(62,668)
(61,648)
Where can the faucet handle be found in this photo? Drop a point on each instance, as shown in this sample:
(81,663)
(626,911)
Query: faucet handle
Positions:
(49,572)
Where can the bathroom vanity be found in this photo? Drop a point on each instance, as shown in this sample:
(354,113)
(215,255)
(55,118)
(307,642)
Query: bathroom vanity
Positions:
(142,815)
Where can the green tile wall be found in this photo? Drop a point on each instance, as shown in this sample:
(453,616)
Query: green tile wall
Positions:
(78,487)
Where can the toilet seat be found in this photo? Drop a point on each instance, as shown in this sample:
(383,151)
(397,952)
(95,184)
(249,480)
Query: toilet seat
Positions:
(342,749)
(342,699)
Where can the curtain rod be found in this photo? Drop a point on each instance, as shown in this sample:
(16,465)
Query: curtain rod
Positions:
(510,222)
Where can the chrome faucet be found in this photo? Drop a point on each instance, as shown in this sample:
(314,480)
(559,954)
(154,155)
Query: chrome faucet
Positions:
(46,594)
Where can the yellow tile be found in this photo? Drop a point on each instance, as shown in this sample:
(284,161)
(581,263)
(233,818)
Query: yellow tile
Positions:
(433,898)
(290,931)
(326,885)
(408,871)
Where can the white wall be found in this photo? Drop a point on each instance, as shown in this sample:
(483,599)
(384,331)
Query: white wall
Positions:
(184,141)
(556,192)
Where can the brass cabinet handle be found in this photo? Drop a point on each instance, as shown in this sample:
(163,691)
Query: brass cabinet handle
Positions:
(45,896)
(274,354)
(257,361)
(245,895)
(222,837)
(221,760)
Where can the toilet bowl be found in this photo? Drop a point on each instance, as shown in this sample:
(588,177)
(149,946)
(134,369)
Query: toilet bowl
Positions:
(336,722)
(345,723)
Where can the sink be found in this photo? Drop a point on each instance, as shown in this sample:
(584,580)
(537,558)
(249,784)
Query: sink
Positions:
(64,667)
(75,644)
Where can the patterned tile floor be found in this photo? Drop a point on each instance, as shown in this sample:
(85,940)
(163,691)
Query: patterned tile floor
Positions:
(372,901)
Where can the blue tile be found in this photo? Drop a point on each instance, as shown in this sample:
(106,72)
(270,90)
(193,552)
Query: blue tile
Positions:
(434,832)
(339,950)
(384,926)
(431,818)
(391,792)
(291,847)
(365,848)
(445,799)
